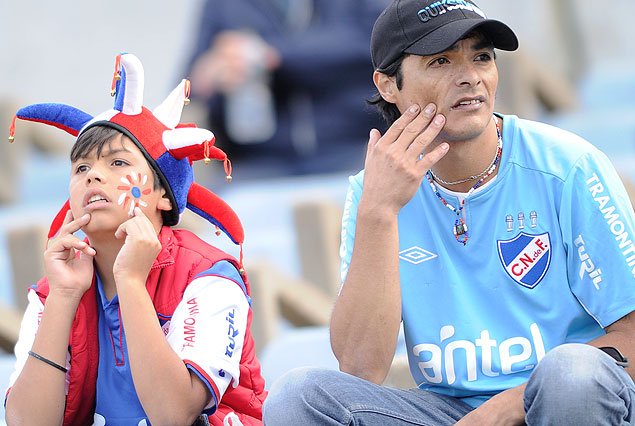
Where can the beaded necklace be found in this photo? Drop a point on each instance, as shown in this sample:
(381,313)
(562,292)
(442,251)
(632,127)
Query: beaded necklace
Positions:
(460,227)
(467,179)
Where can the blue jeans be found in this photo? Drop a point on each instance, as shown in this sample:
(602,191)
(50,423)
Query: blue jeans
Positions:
(574,384)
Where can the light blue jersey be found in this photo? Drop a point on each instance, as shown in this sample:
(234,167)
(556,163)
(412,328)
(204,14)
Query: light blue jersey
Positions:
(550,260)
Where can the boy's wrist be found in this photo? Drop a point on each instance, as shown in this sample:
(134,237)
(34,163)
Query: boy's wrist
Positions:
(64,301)
(129,283)
(66,295)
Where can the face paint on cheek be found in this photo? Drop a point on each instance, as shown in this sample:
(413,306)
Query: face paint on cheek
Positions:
(135,187)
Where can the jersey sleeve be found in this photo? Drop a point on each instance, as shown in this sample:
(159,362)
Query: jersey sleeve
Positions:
(28,328)
(207,331)
(598,227)
(349,221)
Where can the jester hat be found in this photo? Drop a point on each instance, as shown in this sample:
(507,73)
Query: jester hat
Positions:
(169,147)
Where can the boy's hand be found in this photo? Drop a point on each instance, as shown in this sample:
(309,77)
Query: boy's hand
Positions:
(69,274)
(394,167)
(139,250)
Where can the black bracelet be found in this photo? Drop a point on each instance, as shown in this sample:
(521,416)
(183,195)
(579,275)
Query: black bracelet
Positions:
(48,361)
(614,353)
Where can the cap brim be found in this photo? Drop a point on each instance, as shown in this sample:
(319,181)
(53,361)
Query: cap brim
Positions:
(444,37)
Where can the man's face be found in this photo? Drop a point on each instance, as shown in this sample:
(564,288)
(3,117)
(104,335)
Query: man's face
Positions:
(461,82)
(108,187)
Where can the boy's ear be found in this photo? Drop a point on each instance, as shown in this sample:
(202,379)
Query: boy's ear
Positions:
(164,203)
(387,86)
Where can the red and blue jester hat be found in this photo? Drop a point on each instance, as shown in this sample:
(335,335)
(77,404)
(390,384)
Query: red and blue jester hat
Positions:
(169,147)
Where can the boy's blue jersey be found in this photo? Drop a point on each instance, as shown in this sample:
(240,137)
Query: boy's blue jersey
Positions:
(197,330)
(117,400)
(550,259)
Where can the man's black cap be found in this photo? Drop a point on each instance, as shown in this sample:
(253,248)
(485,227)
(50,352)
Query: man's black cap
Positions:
(427,27)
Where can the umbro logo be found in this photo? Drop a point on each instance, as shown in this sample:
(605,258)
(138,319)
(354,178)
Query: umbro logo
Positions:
(416,255)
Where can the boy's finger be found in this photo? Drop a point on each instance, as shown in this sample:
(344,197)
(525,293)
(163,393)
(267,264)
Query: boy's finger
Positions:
(68,218)
(70,242)
(89,251)
(75,225)
(121,231)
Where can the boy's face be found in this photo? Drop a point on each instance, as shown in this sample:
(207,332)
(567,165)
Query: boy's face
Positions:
(108,187)
(461,81)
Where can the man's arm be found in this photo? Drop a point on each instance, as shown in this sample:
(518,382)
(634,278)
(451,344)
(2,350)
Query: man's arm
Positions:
(621,335)
(367,314)
(506,408)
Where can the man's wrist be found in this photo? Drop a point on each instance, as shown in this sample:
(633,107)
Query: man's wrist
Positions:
(379,213)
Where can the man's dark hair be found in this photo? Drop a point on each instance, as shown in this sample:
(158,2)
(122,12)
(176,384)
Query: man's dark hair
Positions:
(388,110)
(97,137)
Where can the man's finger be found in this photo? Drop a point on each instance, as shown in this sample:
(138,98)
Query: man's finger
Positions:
(373,137)
(397,128)
(417,127)
(422,142)
(432,157)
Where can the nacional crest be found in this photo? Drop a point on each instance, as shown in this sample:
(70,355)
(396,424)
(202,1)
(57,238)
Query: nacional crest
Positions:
(526,257)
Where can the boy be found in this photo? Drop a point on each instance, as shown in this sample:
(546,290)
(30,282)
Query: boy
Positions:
(149,325)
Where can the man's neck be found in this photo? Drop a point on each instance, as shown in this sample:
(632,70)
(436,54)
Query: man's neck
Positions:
(468,158)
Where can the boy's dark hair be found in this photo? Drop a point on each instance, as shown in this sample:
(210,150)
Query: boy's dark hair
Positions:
(96,137)
(388,110)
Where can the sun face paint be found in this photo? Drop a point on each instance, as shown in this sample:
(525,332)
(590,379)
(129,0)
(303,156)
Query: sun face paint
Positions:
(135,187)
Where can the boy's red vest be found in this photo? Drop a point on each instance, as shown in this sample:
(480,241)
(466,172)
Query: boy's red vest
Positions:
(182,257)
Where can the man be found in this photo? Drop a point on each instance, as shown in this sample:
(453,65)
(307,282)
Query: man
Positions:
(505,247)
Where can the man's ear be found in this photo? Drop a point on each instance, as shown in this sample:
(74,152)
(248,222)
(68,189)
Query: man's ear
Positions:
(387,86)
(164,203)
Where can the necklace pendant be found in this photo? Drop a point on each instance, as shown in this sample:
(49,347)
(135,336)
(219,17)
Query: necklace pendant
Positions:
(460,231)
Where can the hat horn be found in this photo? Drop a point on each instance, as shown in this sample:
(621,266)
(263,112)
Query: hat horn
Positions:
(129,88)
(210,206)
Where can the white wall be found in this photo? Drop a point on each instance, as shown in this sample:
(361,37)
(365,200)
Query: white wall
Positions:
(64,51)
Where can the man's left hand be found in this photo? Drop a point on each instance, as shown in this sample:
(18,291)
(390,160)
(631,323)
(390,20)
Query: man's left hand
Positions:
(503,409)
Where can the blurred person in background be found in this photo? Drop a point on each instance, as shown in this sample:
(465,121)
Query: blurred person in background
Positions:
(284,83)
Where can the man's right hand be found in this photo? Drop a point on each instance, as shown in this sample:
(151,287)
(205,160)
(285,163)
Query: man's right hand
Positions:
(69,275)
(365,321)
(397,161)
